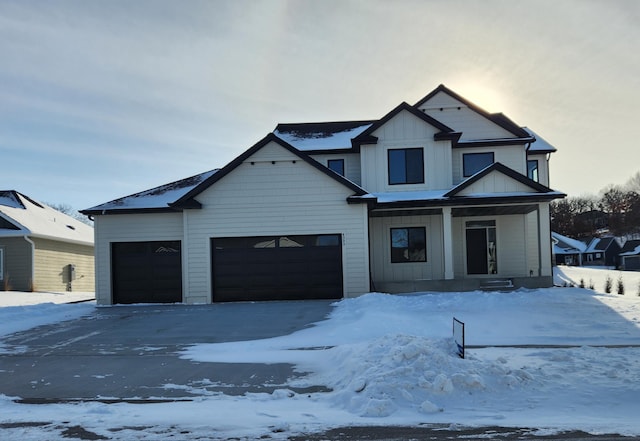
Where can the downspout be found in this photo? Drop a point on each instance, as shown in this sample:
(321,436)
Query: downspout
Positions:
(33,261)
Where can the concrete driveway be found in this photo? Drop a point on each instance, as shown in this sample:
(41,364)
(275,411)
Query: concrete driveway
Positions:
(130,353)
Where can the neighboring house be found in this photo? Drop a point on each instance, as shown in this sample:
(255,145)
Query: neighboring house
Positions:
(630,255)
(567,251)
(42,249)
(602,251)
(440,195)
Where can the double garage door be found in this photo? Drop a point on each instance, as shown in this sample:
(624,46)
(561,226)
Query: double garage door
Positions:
(277,267)
(243,269)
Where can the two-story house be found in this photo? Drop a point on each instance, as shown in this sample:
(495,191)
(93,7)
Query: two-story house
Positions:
(440,195)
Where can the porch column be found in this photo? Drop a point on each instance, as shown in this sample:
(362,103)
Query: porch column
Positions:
(447,240)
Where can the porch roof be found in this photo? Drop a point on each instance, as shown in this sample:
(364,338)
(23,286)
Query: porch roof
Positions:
(438,198)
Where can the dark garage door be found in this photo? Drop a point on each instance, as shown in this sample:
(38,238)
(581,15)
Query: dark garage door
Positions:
(632,263)
(146,272)
(277,268)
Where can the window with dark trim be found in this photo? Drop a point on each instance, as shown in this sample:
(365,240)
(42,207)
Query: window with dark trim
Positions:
(337,165)
(408,244)
(1,263)
(472,163)
(532,170)
(406,166)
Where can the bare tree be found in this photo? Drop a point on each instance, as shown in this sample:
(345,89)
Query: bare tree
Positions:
(70,211)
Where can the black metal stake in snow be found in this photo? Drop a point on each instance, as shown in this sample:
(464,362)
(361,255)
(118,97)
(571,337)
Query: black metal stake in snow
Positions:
(458,336)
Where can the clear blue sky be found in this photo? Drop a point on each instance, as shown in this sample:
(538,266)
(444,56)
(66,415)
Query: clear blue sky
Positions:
(101,99)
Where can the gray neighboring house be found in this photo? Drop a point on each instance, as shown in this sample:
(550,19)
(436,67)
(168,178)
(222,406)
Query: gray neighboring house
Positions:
(602,251)
(439,195)
(42,249)
(630,256)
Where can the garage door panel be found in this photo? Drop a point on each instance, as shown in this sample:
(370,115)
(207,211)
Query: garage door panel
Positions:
(277,268)
(146,272)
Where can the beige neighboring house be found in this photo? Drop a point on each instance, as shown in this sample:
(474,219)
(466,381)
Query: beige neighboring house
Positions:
(42,249)
(436,196)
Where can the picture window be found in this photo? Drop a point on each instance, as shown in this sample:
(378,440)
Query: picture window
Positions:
(408,245)
(406,166)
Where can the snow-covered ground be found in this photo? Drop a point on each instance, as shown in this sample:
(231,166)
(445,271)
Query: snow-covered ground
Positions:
(390,360)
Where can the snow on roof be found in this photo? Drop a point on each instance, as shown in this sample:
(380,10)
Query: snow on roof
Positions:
(564,245)
(539,145)
(155,198)
(406,196)
(32,218)
(631,248)
(633,252)
(321,136)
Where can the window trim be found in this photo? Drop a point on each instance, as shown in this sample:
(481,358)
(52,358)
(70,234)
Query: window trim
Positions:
(465,174)
(406,163)
(338,160)
(1,263)
(423,258)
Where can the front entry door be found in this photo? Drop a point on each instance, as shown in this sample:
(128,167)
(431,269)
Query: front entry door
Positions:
(481,247)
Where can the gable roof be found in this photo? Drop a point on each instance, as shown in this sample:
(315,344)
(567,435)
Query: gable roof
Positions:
(566,245)
(500,168)
(321,137)
(154,200)
(21,215)
(188,197)
(630,248)
(539,146)
(366,136)
(497,118)
(600,244)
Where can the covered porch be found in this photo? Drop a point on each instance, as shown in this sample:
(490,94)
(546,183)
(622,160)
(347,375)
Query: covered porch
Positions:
(460,247)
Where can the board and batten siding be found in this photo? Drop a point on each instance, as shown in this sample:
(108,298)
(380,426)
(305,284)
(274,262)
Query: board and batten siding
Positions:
(351,164)
(128,228)
(274,192)
(512,156)
(51,266)
(18,262)
(381,267)
(461,118)
(495,183)
(406,130)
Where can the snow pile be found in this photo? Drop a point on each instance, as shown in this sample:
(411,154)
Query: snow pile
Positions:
(377,378)
(20,318)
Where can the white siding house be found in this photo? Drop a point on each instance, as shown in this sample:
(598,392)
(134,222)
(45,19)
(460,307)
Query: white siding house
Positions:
(440,195)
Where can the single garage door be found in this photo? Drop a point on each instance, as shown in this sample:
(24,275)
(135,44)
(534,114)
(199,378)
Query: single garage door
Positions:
(146,272)
(632,263)
(277,268)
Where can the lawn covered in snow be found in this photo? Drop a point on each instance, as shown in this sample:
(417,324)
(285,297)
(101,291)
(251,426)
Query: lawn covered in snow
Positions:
(390,360)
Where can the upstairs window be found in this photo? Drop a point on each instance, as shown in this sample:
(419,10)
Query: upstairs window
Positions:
(408,245)
(472,163)
(532,169)
(337,165)
(406,166)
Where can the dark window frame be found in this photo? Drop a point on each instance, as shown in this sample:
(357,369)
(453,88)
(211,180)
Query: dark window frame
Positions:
(465,172)
(336,161)
(406,166)
(412,252)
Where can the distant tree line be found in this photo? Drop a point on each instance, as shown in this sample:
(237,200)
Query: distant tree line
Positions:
(616,211)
